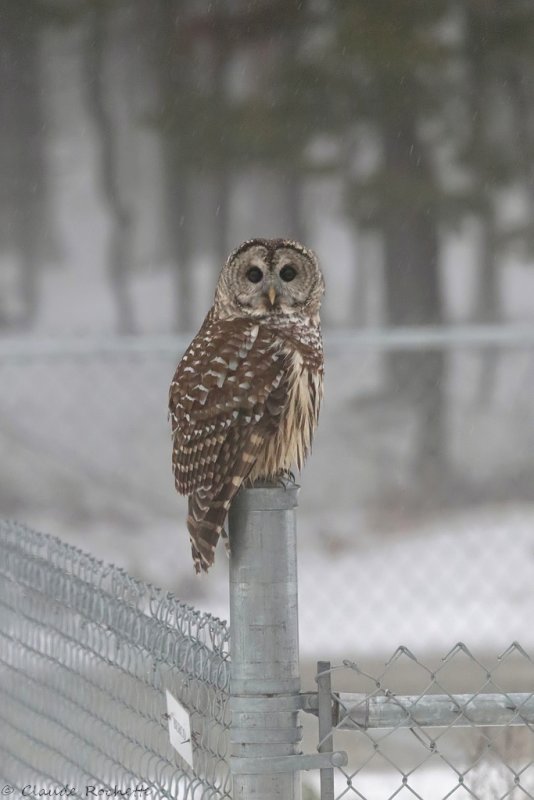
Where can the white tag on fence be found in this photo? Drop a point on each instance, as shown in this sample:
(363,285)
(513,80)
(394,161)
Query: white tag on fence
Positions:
(179,728)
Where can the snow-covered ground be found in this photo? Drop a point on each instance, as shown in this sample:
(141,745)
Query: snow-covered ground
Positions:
(436,782)
(467,578)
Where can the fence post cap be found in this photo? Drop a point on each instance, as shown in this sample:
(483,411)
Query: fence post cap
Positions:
(267,497)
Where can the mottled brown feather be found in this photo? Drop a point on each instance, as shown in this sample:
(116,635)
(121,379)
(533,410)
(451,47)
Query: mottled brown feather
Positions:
(215,415)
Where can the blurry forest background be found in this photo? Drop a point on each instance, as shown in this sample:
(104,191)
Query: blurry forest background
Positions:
(140,141)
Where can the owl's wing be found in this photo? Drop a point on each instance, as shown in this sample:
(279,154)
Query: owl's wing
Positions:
(226,398)
(229,385)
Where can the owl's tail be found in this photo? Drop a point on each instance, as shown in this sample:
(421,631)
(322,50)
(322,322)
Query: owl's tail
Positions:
(207,513)
(205,523)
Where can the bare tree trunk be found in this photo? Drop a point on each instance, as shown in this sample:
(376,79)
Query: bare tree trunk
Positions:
(223,183)
(293,175)
(488,306)
(173,53)
(523,100)
(293,195)
(119,247)
(223,188)
(487,309)
(413,292)
(30,170)
(360,292)
(23,185)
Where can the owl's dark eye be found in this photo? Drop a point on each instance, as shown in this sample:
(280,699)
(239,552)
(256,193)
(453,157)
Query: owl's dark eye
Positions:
(254,274)
(287,273)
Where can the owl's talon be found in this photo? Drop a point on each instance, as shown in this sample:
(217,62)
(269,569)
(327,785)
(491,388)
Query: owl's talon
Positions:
(226,539)
(286,480)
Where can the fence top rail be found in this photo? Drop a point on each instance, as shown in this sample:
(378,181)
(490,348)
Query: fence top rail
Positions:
(357,711)
(16,348)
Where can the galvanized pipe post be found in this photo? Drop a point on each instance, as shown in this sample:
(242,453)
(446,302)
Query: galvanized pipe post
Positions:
(264,643)
(326,741)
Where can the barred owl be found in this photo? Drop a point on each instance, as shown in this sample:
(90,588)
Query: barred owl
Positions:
(244,400)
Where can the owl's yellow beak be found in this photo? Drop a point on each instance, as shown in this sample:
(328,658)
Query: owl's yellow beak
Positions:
(271,294)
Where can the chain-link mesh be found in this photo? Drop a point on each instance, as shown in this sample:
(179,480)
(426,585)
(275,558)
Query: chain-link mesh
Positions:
(454,728)
(86,656)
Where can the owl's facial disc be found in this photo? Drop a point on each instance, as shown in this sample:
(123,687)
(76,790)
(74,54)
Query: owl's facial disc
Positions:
(273,282)
(270,276)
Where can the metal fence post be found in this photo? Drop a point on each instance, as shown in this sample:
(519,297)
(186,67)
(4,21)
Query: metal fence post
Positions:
(265,680)
(326,741)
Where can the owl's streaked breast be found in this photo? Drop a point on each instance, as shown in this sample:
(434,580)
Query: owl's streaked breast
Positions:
(291,443)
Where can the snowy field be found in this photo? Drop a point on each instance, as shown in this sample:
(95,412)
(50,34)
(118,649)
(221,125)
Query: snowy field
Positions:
(466,578)
(431,783)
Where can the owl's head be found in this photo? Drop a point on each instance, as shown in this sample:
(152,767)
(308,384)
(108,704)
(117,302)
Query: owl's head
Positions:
(270,276)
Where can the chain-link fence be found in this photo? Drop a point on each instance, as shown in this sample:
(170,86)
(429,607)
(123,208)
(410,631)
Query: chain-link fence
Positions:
(422,473)
(462,731)
(111,687)
(87,654)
